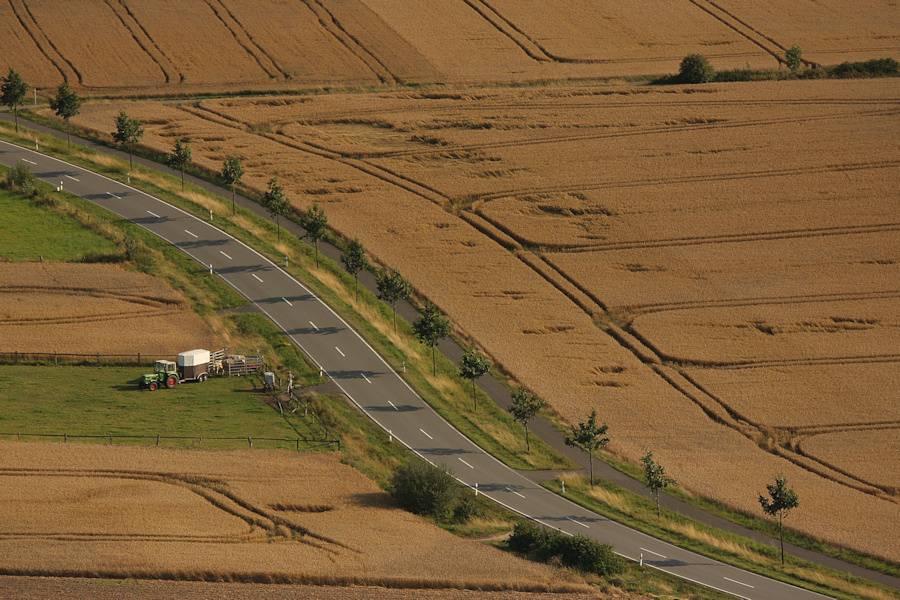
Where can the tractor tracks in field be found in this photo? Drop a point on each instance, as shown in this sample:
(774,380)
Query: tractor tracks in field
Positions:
(243,37)
(775,441)
(143,39)
(264,525)
(43,42)
(687,126)
(332,26)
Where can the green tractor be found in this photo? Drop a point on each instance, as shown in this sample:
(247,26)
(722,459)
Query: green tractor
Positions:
(164,373)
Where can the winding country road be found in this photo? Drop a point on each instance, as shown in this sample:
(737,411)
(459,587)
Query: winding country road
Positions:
(374,387)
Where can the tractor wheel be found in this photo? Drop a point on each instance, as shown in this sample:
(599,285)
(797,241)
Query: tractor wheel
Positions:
(171,382)
(202,377)
(153,385)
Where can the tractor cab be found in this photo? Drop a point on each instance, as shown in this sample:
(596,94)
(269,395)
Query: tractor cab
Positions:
(165,373)
(165,367)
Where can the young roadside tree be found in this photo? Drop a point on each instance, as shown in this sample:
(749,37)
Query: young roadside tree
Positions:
(180,157)
(128,133)
(656,477)
(590,437)
(355,261)
(524,408)
(276,203)
(316,225)
(66,104)
(13,90)
(695,69)
(793,59)
(431,328)
(779,503)
(391,288)
(232,173)
(472,366)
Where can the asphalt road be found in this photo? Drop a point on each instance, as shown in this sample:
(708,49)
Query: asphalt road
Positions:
(372,385)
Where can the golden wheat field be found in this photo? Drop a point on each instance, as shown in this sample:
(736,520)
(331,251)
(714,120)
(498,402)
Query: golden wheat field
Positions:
(34,588)
(114,46)
(714,269)
(73,308)
(263,516)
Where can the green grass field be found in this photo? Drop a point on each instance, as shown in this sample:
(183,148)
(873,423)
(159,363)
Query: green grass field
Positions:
(99,401)
(30,233)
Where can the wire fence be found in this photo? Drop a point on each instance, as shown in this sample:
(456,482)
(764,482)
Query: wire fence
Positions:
(16,357)
(297,443)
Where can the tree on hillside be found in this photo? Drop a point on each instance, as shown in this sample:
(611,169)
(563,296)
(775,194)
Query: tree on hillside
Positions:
(355,261)
(180,157)
(13,92)
(431,328)
(66,104)
(391,288)
(472,366)
(316,225)
(656,477)
(524,408)
(232,173)
(128,133)
(276,203)
(779,503)
(695,69)
(793,58)
(590,437)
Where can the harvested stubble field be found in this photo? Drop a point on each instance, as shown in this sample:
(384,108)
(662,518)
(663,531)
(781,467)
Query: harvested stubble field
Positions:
(114,46)
(737,245)
(94,308)
(255,516)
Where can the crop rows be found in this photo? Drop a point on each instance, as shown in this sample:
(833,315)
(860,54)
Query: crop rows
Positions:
(84,309)
(80,509)
(763,270)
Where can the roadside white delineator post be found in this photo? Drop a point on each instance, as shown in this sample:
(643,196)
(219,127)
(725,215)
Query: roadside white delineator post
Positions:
(564,487)
(390,436)
(404,366)
(285,262)
(210,214)
(60,186)
(35,145)
(128,177)
(476,490)
(210,269)
(642,559)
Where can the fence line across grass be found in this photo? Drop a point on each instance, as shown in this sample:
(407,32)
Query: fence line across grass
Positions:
(16,357)
(65,437)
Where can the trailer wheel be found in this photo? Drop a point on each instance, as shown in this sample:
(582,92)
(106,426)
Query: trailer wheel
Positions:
(171,382)
(152,387)
(202,377)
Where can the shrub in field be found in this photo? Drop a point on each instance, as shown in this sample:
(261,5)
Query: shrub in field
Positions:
(695,69)
(424,489)
(22,179)
(878,67)
(578,551)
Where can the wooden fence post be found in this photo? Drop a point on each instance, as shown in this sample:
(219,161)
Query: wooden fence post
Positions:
(250,441)
(157,439)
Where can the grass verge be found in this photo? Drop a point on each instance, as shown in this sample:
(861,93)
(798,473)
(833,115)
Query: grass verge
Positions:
(640,513)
